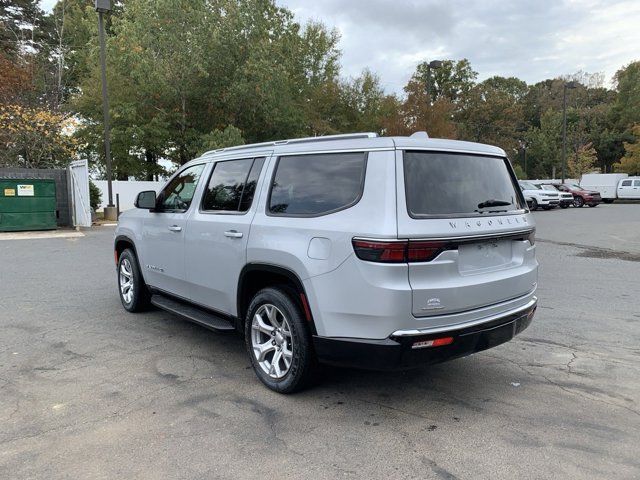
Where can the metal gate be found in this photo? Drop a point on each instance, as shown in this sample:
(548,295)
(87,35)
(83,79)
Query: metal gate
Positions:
(79,180)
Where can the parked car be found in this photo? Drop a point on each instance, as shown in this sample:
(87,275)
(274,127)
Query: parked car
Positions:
(581,196)
(629,188)
(315,250)
(604,183)
(539,198)
(566,199)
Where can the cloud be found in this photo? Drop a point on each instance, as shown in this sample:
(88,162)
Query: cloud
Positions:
(530,40)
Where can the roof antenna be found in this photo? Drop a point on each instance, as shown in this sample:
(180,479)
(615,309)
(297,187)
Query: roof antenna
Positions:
(422,134)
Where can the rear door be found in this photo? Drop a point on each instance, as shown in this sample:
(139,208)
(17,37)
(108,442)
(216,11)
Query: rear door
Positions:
(218,231)
(469,211)
(625,188)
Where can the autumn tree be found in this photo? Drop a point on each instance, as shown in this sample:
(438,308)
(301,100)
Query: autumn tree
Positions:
(584,160)
(630,163)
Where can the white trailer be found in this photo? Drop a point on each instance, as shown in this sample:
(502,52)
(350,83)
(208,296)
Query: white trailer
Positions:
(605,183)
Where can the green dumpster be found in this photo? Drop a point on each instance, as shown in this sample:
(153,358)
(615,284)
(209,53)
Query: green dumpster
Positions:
(27,204)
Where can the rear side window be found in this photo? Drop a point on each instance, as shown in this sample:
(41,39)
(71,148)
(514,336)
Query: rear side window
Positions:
(636,183)
(317,184)
(626,183)
(444,184)
(232,185)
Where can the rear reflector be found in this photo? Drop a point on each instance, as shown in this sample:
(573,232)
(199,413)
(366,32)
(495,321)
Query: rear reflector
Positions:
(436,342)
(403,251)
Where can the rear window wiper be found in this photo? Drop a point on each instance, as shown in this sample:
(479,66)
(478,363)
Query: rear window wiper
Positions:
(493,203)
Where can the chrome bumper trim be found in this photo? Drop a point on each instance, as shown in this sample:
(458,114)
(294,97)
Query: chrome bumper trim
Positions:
(461,326)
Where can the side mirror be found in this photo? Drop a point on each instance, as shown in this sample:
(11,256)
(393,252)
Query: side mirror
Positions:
(146,199)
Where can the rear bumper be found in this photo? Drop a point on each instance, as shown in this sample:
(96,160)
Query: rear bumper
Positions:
(397,352)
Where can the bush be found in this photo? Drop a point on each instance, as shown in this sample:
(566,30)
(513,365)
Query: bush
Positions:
(95,195)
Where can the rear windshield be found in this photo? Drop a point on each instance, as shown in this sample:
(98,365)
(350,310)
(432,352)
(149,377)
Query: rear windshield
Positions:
(439,183)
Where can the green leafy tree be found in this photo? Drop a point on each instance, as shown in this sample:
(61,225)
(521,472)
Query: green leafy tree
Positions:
(584,160)
(627,103)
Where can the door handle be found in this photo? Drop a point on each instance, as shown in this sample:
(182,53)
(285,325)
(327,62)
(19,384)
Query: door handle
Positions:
(233,234)
(175,228)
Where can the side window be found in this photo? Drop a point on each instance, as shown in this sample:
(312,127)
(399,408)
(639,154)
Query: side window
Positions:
(317,184)
(177,195)
(232,185)
(636,183)
(626,183)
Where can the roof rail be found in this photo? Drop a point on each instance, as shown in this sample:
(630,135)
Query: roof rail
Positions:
(324,138)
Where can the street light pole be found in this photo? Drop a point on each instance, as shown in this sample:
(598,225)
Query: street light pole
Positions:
(102,7)
(564,126)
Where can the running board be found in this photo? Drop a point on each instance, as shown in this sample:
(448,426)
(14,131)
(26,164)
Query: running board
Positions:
(192,313)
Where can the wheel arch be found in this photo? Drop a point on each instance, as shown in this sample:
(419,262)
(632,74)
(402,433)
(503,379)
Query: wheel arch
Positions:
(122,242)
(255,276)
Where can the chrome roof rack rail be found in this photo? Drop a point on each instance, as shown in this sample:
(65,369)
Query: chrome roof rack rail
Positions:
(325,138)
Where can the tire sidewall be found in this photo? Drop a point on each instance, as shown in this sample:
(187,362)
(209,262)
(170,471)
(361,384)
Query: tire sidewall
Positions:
(301,362)
(534,204)
(578,202)
(139,301)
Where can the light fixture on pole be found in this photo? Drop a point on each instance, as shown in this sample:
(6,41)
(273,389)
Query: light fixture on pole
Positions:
(566,85)
(102,7)
(435,64)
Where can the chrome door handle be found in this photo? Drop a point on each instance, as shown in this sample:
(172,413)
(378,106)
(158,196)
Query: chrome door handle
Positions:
(175,228)
(233,234)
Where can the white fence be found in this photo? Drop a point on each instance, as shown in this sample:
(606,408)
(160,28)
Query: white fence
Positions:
(128,191)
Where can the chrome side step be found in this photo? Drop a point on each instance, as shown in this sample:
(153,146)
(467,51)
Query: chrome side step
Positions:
(192,313)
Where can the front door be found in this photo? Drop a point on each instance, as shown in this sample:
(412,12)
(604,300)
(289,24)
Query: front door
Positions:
(218,232)
(162,258)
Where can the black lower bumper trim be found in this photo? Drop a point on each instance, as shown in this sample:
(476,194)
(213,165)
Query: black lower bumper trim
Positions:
(397,353)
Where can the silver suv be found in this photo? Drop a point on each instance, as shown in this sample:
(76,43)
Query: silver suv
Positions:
(356,250)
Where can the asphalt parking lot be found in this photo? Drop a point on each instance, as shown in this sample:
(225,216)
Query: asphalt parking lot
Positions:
(88,391)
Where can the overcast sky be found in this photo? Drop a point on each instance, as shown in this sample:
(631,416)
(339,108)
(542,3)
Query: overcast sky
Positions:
(532,40)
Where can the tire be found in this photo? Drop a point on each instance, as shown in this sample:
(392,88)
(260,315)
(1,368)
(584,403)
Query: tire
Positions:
(564,205)
(534,205)
(608,200)
(282,327)
(135,297)
(547,208)
(591,205)
(578,202)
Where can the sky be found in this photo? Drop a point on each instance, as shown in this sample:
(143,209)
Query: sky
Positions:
(532,40)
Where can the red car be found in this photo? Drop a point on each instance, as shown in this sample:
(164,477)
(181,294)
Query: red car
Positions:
(581,196)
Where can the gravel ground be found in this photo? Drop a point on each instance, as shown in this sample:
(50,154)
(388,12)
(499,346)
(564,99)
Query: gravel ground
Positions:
(89,391)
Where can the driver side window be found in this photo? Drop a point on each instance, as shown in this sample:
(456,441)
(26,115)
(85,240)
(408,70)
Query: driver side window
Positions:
(178,194)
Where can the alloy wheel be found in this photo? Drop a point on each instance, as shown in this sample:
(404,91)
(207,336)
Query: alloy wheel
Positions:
(271,341)
(126,281)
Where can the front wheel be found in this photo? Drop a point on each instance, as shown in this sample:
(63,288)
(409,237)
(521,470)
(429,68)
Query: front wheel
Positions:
(133,291)
(278,341)
(534,204)
(607,200)
(578,202)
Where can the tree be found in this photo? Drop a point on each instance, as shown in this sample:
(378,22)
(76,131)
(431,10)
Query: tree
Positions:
(630,163)
(584,160)
(35,138)
(627,104)
(453,80)
(229,137)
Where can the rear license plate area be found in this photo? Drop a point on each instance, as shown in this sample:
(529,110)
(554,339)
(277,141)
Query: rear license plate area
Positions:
(482,256)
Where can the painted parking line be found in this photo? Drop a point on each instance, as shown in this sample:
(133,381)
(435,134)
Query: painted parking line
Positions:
(39,235)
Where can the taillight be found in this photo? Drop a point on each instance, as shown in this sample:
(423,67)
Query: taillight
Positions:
(403,251)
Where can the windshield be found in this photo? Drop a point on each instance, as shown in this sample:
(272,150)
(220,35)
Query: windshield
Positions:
(550,187)
(439,183)
(529,186)
(573,186)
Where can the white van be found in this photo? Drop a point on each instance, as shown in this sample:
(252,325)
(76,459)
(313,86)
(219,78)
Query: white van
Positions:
(629,188)
(605,183)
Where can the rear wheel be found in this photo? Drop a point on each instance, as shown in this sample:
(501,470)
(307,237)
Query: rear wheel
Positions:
(607,200)
(578,202)
(133,292)
(278,341)
(593,205)
(534,204)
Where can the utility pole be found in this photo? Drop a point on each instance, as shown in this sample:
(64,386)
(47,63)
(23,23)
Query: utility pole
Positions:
(564,126)
(102,7)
